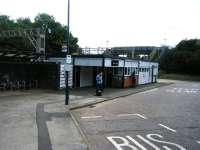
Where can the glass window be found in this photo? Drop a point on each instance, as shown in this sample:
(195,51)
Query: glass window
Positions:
(115,71)
(132,70)
(129,71)
(126,71)
(136,70)
(118,71)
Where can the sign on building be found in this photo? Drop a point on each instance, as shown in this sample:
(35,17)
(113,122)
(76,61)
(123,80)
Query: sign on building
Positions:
(64,48)
(68,59)
(115,62)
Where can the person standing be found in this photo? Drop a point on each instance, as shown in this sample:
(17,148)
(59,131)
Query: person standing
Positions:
(99,82)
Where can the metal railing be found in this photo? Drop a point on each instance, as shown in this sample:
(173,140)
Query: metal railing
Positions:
(94,51)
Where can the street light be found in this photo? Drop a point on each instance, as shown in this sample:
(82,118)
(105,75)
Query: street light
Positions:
(68,50)
(68,26)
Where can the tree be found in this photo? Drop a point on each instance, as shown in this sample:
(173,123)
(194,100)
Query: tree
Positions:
(6,23)
(58,35)
(54,40)
(184,58)
(24,23)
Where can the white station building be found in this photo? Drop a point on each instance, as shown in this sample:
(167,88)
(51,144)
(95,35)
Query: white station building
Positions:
(117,71)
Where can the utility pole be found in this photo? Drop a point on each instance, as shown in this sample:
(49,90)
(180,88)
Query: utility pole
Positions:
(68,27)
(68,51)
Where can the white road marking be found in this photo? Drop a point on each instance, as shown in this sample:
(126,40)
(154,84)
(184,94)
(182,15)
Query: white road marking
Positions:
(168,128)
(91,117)
(139,115)
(198,142)
(195,89)
(179,90)
(121,143)
(124,115)
(183,90)
(136,143)
(159,138)
(148,142)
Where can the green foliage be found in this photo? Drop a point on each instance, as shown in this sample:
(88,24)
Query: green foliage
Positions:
(17,43)
(184,58)
(23,23)
(189,45)
(6,23)
(54,39)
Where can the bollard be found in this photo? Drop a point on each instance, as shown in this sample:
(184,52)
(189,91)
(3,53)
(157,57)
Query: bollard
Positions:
(66,89)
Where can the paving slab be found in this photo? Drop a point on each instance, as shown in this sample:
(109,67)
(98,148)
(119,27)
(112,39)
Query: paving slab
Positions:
(37,121)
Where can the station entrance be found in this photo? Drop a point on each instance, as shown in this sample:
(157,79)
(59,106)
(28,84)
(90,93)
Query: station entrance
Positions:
(86,76)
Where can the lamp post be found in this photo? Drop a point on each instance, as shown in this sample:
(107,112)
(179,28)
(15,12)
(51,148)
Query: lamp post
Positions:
(68,26)
(68,50)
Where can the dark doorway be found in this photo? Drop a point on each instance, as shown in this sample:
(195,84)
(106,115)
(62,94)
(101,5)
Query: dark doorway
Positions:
(77,76)
(108,76)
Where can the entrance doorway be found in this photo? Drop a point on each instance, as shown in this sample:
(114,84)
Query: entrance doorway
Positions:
(108,76)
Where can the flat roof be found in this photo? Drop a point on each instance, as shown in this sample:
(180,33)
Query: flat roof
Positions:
(112,57)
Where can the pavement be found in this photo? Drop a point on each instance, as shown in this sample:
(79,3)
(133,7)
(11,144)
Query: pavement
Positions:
(35,120)
(38,119)
(161,118)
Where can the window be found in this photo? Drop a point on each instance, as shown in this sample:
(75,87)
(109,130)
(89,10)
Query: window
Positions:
(126,71)
(118,71)
(115,72)
(129,71)
(136,70)
(142,69)
(133,70)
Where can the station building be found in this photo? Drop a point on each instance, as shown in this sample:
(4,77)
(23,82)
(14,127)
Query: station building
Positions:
(118,72)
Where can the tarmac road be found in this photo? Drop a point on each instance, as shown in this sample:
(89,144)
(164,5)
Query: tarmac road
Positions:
(165,118)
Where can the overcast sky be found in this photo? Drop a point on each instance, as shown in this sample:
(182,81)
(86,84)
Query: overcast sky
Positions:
(121,22)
